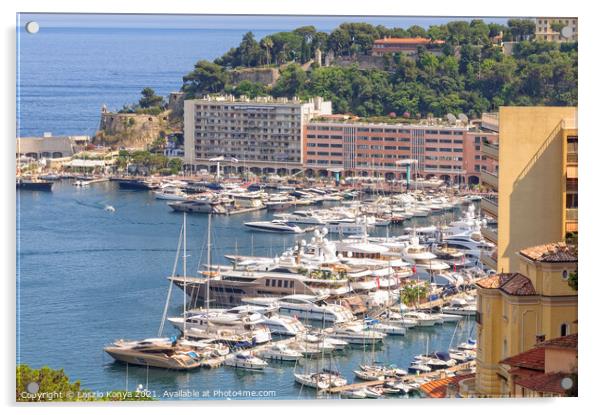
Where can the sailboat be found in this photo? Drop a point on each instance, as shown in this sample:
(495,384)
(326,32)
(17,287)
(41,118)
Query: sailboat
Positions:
(324,378)
(160,352)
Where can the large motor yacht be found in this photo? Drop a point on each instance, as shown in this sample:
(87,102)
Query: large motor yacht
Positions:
(161,353)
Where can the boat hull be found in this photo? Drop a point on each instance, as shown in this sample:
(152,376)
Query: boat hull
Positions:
(148,359)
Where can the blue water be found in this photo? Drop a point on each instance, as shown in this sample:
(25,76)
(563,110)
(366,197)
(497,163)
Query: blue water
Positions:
(67,74)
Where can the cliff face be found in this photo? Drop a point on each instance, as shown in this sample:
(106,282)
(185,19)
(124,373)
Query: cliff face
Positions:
(130,130)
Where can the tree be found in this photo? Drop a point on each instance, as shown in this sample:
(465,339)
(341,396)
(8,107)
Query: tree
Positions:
(521,29)
(573,279)
(249,51)
(149,99)
(206,78)
(46,384)
(175,165)
(412,293)
(250,89)
(291,82)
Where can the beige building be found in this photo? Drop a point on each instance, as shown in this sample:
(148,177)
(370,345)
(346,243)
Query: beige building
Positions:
(50,147)
(515,311)
(264,133)
(536,181)
(556,29)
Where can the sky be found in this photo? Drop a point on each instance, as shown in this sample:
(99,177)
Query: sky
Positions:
(323,23)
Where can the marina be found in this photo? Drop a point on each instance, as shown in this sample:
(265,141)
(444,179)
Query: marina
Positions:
(143,267)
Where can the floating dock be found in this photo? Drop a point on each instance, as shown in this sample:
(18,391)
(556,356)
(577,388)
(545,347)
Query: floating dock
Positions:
(437,374)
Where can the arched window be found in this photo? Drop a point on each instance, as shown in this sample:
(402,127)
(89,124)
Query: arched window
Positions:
(564,329)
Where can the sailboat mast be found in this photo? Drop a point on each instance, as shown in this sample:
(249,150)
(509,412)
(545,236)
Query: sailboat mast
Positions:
(208,262)
(185,271)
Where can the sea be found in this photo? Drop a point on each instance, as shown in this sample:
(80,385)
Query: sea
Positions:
(87,275)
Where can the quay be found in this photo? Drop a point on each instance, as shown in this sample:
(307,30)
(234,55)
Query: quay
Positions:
(238,211)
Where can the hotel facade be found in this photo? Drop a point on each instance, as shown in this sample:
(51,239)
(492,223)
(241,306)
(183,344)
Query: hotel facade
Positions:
(264,135)
(450,152)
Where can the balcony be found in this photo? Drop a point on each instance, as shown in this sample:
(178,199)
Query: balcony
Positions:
(490,150)
(572,214)
(489,178)
(489,259)
(489,205)
(490,234)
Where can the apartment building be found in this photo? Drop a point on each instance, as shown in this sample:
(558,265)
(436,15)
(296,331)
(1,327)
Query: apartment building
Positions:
(536,183)
(556,29)
(451,152)
(265,134)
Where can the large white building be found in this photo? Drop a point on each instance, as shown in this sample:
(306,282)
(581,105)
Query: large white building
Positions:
(264,133)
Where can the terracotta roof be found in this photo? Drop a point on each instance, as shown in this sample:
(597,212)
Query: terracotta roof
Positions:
(565,342)
(555,252)
(533,359)
(545,383)
(510,283)
(518,285)
(407,41)
(490,282)
(438,388)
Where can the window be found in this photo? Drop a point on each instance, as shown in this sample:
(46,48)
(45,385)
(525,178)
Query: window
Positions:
(285,284)
(279,283)
(572,201)
(564,329)
(267,283)
(565,275)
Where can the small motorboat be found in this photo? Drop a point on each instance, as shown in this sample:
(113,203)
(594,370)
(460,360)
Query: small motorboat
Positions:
(373,392)
(389,329)
(469,345)
(245,360)
(387,371)
(282,353)
(354,335)
(419,367)
(353,394)
(400,386)
(369,375)
(275,226)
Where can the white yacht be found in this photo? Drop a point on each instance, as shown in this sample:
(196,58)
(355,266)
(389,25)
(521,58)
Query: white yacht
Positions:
(245,360)
(281,352)
(356,334)
(275,226)
(307,307)
(170,193)
(303,217)
(321,380)
(422,319)
(460,307)
(242,324)
(276,323)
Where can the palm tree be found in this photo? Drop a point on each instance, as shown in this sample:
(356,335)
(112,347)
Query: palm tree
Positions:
(267,44)
(411,294)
